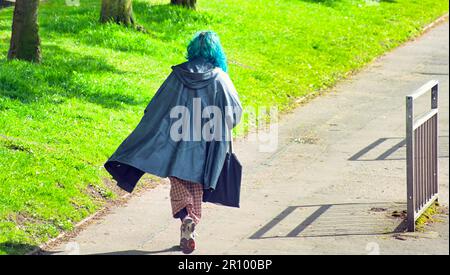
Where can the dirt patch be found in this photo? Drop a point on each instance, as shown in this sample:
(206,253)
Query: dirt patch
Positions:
(399,214)
(22,219)
(307,138)
(378,209)
(112,185)
(16,146)
(94,193)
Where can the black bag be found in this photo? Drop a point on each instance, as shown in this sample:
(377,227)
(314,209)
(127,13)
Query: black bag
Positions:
(228,188)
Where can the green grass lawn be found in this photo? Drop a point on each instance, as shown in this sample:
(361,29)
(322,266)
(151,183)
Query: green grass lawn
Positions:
(60,121)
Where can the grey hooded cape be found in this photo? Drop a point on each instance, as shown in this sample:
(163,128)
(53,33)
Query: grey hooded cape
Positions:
(150,148)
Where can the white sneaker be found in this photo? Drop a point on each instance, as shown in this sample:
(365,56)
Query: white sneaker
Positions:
(187,239)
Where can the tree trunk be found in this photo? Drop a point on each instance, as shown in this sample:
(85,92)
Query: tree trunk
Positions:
(25,41)
(118,11)
(185,3)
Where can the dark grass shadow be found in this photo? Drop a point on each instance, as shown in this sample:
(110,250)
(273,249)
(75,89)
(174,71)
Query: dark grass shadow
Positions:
(168,22)
(69,19)
(327,3)
(6,18)
(55,78)
(5,4)
(163,22)
(5,28)
(333,3)
(16,248)
(64,20)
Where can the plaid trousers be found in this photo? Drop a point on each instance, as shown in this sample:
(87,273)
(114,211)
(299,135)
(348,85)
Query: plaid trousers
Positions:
(186,194)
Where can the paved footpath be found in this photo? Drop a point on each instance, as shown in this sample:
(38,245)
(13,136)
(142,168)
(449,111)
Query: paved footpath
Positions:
(330,188)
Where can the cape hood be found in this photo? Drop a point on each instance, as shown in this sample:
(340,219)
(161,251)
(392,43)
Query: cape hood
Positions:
(196,74)
(150,148)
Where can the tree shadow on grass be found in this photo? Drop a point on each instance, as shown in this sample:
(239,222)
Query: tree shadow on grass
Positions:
(64,74)
(69,19)
(169,22)
(61,75)
(328,3)
(332,3)
(5,4)
(15,248)
(163,22)
(6,19)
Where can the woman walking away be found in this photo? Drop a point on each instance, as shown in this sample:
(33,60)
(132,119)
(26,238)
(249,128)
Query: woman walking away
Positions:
(185,133)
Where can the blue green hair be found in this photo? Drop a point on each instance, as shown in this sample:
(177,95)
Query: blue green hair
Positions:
(206,44)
